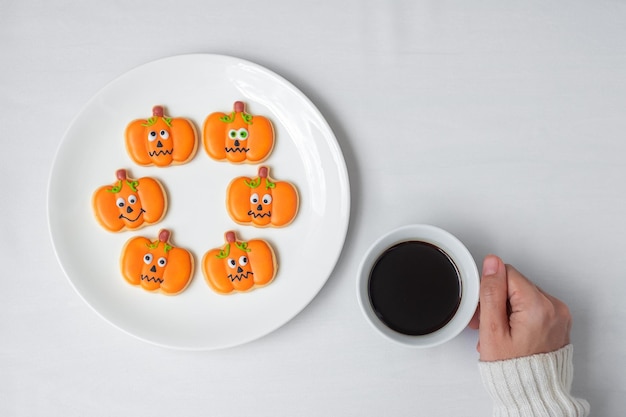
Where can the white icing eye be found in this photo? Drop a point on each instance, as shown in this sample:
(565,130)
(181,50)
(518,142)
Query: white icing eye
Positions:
(267,199)
(147,258)
(242,133)
(254,198)
(243,261)
(152,135)
(120,202)
(132,199)
(232,133)
(162,262)
(164,134)
(231,263)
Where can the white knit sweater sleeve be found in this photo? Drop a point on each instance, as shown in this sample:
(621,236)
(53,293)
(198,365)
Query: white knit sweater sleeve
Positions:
(533,386)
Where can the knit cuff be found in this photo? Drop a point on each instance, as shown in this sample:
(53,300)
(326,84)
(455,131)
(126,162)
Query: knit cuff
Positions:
(533,386)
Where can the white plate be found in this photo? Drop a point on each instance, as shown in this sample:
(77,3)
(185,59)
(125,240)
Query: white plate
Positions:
(306,153)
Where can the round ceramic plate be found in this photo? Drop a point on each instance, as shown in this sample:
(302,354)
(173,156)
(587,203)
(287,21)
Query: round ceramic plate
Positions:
(306,154)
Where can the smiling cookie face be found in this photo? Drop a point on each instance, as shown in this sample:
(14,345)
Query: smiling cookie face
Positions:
(129,203)
(239,266)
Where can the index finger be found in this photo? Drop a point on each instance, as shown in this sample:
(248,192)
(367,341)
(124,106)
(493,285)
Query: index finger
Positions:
(522,293)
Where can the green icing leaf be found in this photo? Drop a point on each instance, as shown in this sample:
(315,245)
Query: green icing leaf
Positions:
(228,118)
(168,121)
(132,184)
(243,246)
(253,183)
(115,189)
(166,248)
(269,184)
(224,252)
(150,121)
(246,118)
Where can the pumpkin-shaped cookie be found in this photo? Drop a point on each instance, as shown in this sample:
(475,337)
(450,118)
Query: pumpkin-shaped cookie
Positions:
(129,203)
(262,201)
(238,137)
(239,266)
(157,266)
(161,140)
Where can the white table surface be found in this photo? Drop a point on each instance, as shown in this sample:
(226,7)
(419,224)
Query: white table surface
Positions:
(502,122)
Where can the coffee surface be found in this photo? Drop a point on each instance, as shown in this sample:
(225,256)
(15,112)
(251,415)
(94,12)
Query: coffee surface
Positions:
(414,288)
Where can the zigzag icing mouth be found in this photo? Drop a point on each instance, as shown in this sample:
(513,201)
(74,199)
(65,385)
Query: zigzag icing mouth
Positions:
(242,150)
(261,215)
(160,152)
(151,279)
(132,220)
(239,277)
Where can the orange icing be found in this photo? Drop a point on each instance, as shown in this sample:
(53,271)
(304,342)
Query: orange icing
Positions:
(156,266)
(239,266)
(238,136)
(129,203)
(262,201)
(161,140)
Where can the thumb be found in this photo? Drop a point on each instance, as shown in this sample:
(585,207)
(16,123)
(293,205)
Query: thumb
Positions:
(494,319)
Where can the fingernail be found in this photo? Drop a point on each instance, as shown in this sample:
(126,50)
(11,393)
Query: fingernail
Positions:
(490,265)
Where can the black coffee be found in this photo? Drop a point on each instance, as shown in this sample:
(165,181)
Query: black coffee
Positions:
(414,288)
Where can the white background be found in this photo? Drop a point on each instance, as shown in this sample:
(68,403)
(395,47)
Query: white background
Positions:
(502,122)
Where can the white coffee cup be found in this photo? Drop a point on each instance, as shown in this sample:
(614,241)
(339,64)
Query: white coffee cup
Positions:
(467,274)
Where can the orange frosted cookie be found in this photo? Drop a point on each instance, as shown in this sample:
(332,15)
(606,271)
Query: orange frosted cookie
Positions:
(161,140)
(239,266)
(129,203)
(238,137)
(262,201)
(156,266)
